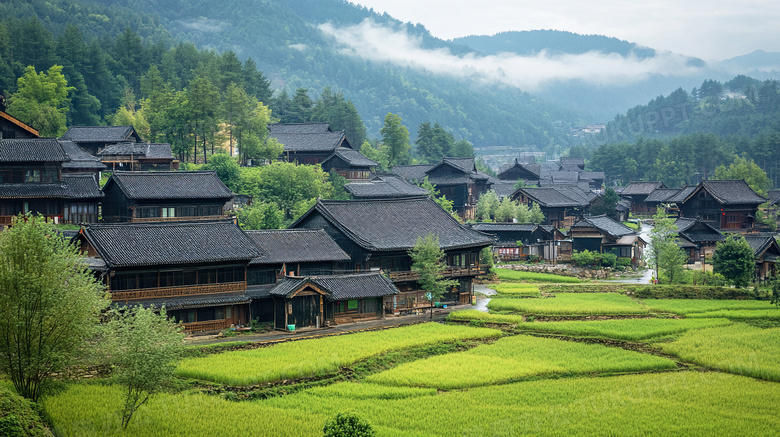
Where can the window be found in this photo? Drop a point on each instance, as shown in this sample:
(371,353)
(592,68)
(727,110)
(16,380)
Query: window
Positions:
(168,212)
(148,212)
(188,211)
(32,175)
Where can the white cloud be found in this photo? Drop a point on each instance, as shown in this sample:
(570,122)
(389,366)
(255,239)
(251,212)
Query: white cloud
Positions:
(372,41)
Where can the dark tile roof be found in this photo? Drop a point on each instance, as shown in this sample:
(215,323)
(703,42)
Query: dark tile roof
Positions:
(260,291)
(100,134)
(395,224)
(760,243)
(351,157)
(33,191)
(295,245)
(140,150)
(592,175)
(298,128)
(79,159)
(504,188)
(15,121)
(641,188)
(412,172)
(382,187)
(188,302)
(466,164)
(32,150)
(606,225)
(170,243)
(503,227)
(81,186)
(732,192)
(681,194)
(530,168)
(661,195)
(550,197)
(697,231)
(576,162)
(170,185)
(340,287)
(312,142)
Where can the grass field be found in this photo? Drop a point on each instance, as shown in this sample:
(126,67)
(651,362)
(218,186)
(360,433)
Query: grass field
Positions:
(771,314)
(624,329)
(571,304)
(317,357)
(690,306)
(516,290)
(516,275)
(677,403)
(513,358)
(739,349)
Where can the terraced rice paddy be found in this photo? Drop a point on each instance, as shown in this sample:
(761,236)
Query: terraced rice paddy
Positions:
(738,349)
(317,357)
(516,275)
(516,290)
(513,358)
(691,306)
(574,304)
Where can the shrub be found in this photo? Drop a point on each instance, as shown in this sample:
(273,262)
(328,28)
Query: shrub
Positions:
(347,425)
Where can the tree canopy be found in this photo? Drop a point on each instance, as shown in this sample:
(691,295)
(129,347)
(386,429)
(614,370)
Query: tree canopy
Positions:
(733,258)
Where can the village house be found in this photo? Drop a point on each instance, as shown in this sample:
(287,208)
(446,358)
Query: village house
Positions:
(32,180)
(515,241)
(197,270)
(350,164)
(697,238)
(456,178)
(164,196)
(604,235)
(725,205)
(80,161)
(378,235)
(385,186)
(561,207)
(637,193)
(308,143)
(138,157)
(766,252)
(11,128)
(94,139)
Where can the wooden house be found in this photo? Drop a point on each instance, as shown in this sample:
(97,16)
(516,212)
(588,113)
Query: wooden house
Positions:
(726,205)
(317,301)
(697,238)
(658,197)
(32,181)
(164,196)
(138,157)
(515,241)
(12,128)
(80,161)
(638,192)
(385,186)
(561,207)
(93,139)
(308,143)
(604,235)
(350,164)
(766,251)
(378,235)
(519,170)
(197,270)
(456,178)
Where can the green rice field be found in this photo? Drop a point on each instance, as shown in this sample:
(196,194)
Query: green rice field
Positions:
(738,349)
(677,403)
(690,306)
(622,329)
(772,314)
(516,275)
(317,357)
(513,358)
(571,304)
(516,290)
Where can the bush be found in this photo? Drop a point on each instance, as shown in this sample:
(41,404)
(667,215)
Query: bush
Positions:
(586,258)
(347,425)
(624,262)
(690,292)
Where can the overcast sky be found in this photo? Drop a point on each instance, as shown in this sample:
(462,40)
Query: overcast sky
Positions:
(711,29)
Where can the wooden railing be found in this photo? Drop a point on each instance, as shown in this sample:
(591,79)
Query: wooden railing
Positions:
(177,219)
(6,219)
(183,290)
(450,272)
(208,325)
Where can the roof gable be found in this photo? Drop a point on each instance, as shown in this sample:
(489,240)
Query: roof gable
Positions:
(395,224)
(729,192)
(79,159)
(170,243)
(351,157)
(697,230)
(762,244)
(338,287)
(170,185)
(295,245)
(18,123)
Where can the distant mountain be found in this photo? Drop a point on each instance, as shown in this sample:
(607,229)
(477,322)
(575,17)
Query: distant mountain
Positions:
(757,61)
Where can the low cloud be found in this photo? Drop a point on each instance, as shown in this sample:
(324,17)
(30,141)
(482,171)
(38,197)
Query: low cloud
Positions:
(204,25)
(372,41)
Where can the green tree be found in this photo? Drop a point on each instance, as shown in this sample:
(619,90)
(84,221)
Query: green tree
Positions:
(522,213)
(606,203)
(462,149)
(428,262)
(49,304)
(535,215)
(143,349)
(202,98)
(439,198)
(506,210)
(378,154)
(671,258)
(286,184)
(487,205)
(260,215)
(733,258)
(347,425)
(664,232)
(41,100)
(395,137)
(747,170)
(227,169)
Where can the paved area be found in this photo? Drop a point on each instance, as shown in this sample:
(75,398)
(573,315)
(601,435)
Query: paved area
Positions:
(439,314)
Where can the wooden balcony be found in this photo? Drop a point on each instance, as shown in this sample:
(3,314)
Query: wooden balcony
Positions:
(208,325)
(450,272)
(5,220)
(177,219)
(184,290)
